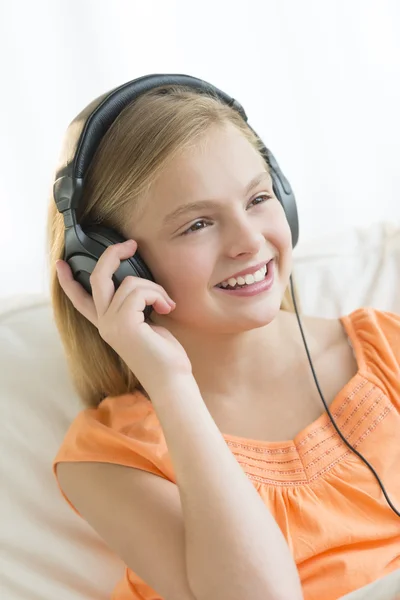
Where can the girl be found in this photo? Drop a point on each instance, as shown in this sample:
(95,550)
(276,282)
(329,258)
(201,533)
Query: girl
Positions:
(203,456)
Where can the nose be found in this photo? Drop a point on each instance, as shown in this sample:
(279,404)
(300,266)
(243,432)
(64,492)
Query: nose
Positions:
(243,235)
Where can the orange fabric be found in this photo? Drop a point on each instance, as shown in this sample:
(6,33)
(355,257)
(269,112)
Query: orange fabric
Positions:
(328,504)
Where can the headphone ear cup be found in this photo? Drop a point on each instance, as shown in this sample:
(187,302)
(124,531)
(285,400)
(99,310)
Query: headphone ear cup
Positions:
(83,265)
(134,265)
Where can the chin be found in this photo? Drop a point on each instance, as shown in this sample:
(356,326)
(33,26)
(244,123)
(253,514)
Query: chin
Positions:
(261,318)
(253,317)
(233,316)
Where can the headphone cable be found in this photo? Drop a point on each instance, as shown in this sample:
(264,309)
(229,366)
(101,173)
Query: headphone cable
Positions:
(327,409)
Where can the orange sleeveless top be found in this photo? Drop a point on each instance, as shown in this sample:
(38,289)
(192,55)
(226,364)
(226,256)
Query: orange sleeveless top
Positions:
(329,506)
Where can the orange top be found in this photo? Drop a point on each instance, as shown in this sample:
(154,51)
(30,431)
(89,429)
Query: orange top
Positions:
(328,504)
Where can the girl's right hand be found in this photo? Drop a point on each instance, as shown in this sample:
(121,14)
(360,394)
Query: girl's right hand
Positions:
(151,352)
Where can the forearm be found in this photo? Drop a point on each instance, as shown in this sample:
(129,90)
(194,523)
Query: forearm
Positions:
(234,547)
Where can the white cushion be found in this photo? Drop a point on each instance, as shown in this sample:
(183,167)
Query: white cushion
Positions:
(358,267)
(47,551)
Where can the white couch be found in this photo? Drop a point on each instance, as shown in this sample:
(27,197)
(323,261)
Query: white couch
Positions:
(47,552)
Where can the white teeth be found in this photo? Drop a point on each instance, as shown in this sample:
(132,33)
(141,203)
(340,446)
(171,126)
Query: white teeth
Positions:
(261,276)
(247,279)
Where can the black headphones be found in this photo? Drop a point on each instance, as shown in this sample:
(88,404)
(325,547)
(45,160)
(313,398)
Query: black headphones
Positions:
(84,248)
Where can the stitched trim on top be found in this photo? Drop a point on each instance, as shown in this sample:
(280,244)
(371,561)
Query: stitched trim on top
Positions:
(364,416)
(296,483)
(281,472)
(270,481)
(268,462)
(373,425)
(261,450)
(360,403)
(338,412)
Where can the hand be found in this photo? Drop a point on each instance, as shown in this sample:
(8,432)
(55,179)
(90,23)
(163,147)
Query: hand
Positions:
(150,351)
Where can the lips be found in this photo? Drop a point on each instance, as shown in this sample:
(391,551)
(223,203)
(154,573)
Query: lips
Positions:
(248,271)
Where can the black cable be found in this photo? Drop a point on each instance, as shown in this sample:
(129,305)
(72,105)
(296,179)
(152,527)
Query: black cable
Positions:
(328,411)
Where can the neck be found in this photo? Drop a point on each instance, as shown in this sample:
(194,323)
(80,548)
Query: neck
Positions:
(234,365)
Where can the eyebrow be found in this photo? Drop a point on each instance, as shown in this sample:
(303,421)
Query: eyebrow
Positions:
(202,204)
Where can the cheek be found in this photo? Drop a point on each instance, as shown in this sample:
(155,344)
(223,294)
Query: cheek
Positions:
(182,272)
(193,272)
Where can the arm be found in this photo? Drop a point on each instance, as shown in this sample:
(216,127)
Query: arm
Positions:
(234,547)
(226,545)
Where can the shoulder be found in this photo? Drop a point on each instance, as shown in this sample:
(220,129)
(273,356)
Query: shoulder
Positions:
(376,330)
(368,330)
(322,333)
(126,416)
(375,336)
(122,430)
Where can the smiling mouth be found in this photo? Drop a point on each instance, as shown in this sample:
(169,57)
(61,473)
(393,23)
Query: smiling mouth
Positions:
(264,270)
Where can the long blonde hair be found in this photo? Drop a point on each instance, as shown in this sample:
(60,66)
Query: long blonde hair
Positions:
(143,139)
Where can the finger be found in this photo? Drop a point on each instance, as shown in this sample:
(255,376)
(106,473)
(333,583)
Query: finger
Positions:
(131,283)
(144,294)
(103,288)
(136,301)
(80,299)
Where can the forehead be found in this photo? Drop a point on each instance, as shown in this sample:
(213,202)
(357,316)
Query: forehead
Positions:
(220,166)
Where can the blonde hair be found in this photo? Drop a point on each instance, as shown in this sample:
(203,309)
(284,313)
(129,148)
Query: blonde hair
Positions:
(142,140)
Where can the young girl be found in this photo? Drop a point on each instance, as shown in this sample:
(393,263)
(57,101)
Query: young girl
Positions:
(204,456)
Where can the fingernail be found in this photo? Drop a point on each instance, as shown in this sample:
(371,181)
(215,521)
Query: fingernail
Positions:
(58,263)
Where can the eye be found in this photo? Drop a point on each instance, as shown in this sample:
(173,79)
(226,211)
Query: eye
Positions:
(193,228)
(264,198)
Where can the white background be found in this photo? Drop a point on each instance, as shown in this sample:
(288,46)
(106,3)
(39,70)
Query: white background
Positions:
(319,80)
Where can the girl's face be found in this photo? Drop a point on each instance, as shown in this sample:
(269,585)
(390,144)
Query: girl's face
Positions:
(190,249)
